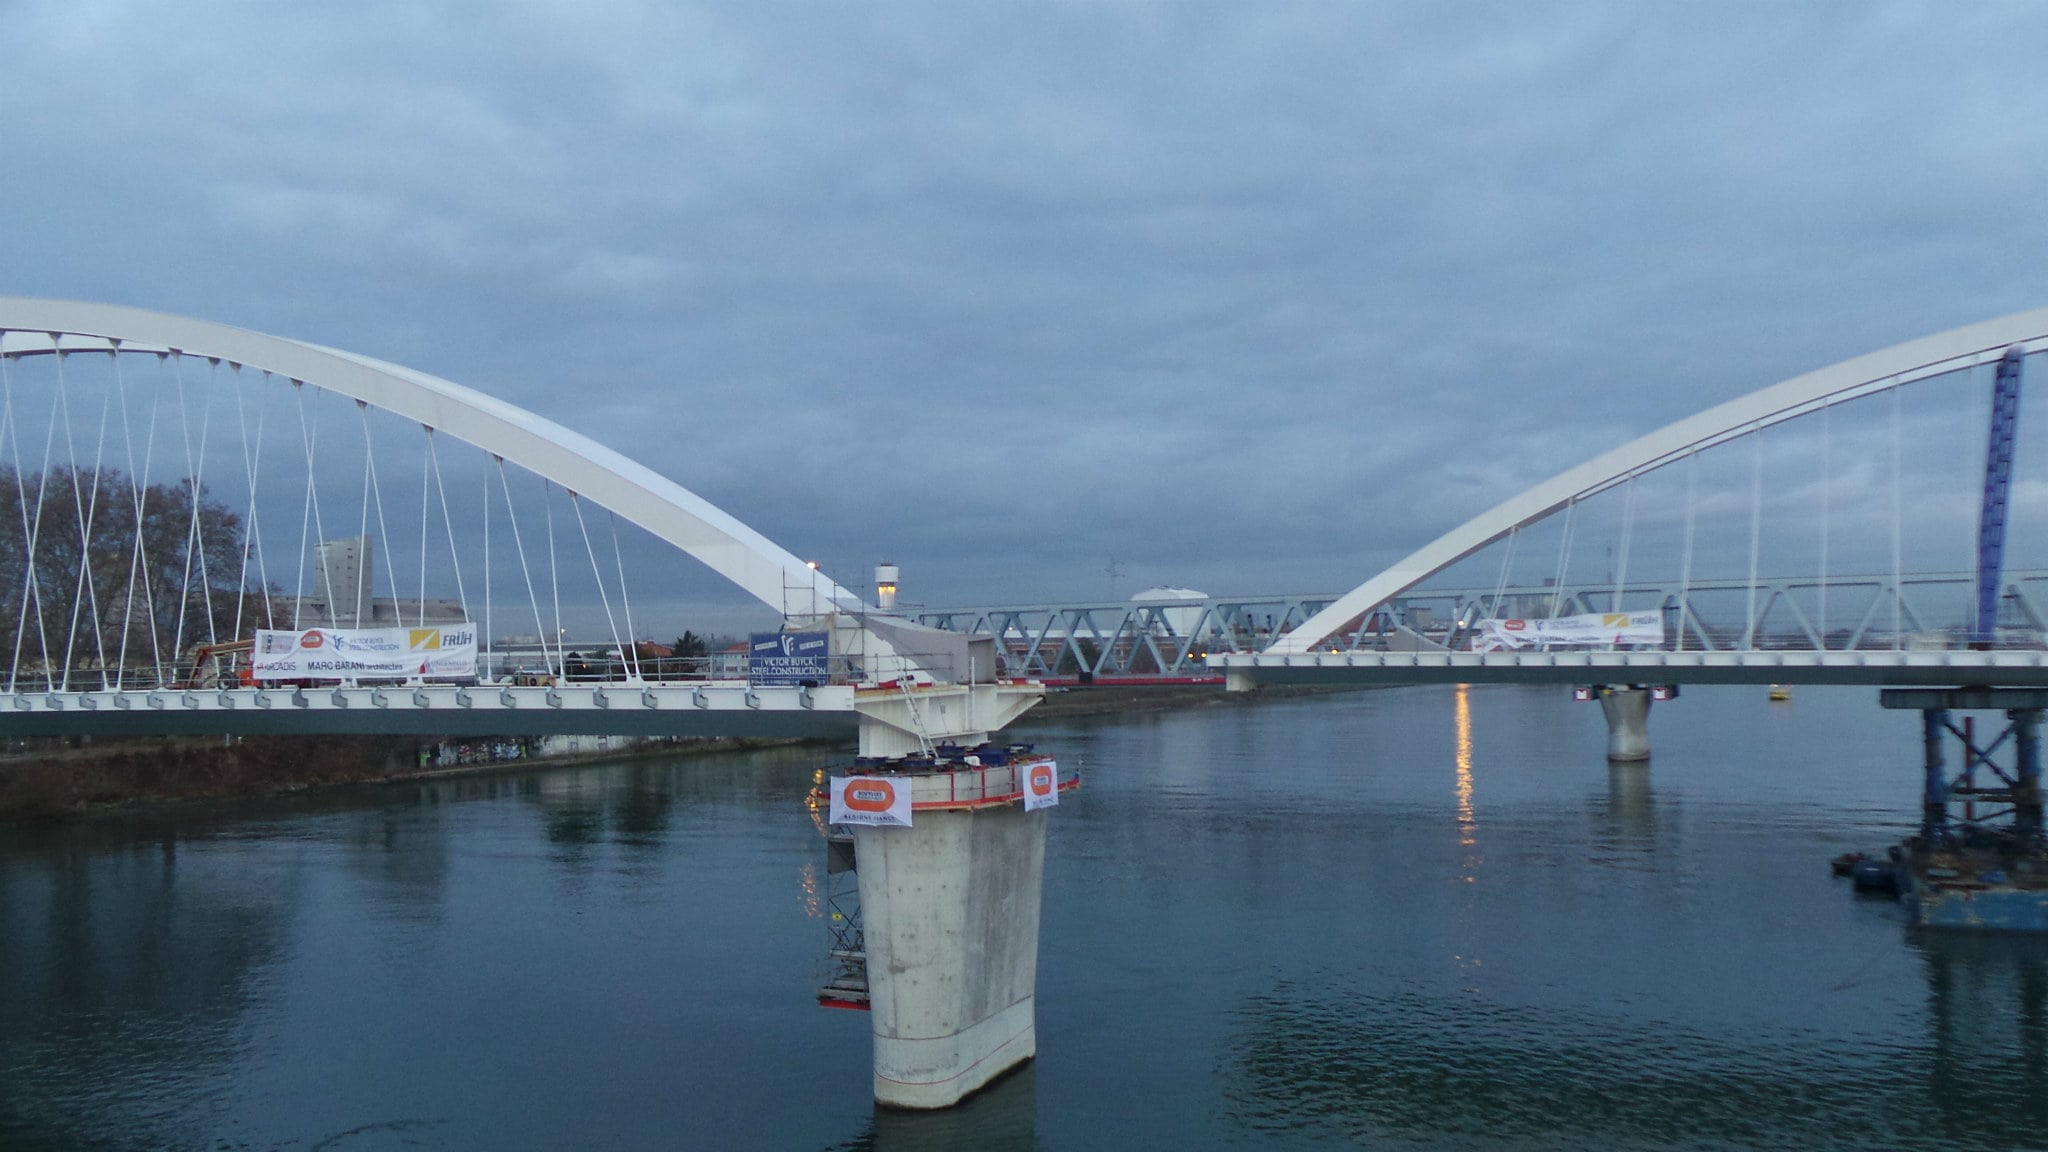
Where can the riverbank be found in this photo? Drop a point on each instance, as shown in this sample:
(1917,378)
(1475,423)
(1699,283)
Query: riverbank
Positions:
(54,779)
(59,781)
(1123,699)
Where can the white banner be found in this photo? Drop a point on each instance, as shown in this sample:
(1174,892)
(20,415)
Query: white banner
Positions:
(446,651)
(873,800)
(1593,628)
(1041,784)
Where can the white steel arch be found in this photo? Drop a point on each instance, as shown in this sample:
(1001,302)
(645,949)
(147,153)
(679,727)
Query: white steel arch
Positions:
(578,463)
(1873,372)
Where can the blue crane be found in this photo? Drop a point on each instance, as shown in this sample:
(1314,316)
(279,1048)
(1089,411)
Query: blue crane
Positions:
(2005,414)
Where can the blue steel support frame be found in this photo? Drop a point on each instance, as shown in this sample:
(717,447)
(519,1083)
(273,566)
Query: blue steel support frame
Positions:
(2005,414)
(1934,802)
(2027,787)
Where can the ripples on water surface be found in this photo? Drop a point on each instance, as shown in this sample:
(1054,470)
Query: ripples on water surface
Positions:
(1404,919)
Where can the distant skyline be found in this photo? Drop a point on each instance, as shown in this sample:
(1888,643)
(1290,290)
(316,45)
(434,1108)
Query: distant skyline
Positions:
(1252,299)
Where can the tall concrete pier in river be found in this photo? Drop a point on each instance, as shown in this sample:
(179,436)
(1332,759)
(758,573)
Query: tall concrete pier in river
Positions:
(950,910)
(949,903)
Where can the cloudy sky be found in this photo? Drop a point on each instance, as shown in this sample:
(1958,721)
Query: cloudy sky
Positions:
(1254,298)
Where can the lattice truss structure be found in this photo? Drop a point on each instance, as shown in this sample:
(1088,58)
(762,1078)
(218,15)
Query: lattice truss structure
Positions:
(169,485)
(1175,638)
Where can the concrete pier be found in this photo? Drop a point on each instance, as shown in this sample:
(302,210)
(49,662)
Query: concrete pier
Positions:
(950,910)
(949,903)
(1628,723)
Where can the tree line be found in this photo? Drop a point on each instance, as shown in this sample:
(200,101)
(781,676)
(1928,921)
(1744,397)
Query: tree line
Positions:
(97,571)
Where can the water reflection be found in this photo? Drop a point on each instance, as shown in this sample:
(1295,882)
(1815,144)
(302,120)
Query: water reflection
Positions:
(139,956)
(1630,818)
(1248,915)
(1324,1061)
(1000,1118)
(1631,808)
(643,813)
(571,804)
(403,853)
(153,965)
(1987,1005)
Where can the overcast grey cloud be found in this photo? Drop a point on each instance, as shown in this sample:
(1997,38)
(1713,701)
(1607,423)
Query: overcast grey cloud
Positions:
(1230,292)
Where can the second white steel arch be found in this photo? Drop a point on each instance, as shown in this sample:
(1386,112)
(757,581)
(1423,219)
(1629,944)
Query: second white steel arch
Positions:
(1873,372)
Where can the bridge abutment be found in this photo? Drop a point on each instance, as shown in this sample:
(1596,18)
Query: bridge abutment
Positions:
(1628,723)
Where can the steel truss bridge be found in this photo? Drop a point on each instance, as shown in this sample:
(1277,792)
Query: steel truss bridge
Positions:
(1161,641)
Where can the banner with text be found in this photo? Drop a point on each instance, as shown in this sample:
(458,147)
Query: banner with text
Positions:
(445,651)
(877,801)
(1592,628)
(786,659)
(1041,784)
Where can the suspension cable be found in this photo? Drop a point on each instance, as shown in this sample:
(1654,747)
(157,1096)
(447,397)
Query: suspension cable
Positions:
(35,582)
(1692,486)
(309,520)
(252,460)
(488,631)
(29,531)
(448,522)
(198,468)
(1827,474)
(383,529)
(1898,587)
(1628,523)
(194,542)
(85,592)
(1507,560)
(1756,508)
(603,596)
(519,546)
(140,573)
(625,598)
(547,503)
(1564,551)
(10,445)
(7,438)
(426,493)
(365,566)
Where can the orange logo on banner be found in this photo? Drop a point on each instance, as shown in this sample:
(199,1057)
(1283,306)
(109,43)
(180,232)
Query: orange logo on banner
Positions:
(870,796)
(1041,778)
(312,639)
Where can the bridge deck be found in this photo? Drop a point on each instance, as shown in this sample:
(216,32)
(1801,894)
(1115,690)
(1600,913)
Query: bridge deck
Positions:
(2010,668)
(710,708)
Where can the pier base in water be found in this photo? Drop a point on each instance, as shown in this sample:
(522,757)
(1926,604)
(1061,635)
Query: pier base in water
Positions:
(950,909)
(1628,723)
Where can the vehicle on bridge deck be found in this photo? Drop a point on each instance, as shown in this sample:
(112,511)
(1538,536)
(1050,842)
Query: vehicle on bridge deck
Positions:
(224,665)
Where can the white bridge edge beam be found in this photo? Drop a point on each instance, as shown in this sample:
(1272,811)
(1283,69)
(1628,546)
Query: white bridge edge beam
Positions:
(1762,408)
(576,462)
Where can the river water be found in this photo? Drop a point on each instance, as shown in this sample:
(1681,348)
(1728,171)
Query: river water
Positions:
(1426,918)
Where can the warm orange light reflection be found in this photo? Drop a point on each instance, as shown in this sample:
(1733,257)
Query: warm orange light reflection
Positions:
(1466,822)
(809,899)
